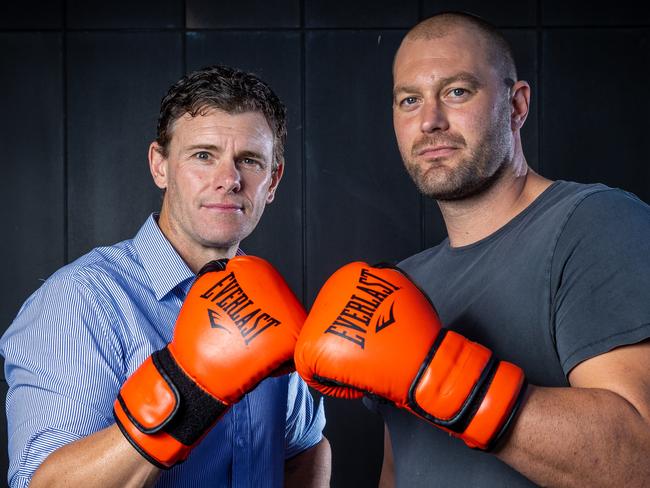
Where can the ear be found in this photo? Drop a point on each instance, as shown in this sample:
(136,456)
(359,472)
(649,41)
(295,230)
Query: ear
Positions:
(520,103)
(158,165)
(276,176)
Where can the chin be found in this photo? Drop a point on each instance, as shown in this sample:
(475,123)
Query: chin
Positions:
(221,240)
(221,243)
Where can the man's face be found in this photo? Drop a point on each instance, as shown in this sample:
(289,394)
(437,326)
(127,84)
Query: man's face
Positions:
(451,114)
(217,177)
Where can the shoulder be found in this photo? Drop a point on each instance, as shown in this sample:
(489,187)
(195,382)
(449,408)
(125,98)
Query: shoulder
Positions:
(611,214)
(604,230)
(82,287)
(595,201)
(611,203)
(70,312)
(96,272)
(109,261)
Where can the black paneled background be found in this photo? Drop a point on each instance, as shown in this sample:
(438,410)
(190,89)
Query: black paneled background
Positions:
(82,80)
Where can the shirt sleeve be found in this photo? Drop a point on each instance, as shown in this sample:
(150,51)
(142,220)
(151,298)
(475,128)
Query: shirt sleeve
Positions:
(304,427)
(601,272)
(63,373)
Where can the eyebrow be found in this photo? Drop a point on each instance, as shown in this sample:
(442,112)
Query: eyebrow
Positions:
(251,154)
(463,76)
(218,149)
(203,147)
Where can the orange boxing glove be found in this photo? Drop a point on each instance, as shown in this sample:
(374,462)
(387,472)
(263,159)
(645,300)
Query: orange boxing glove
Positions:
(238,325)
(372,330)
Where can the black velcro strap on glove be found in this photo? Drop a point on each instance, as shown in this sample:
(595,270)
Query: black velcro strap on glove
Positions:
(197,410)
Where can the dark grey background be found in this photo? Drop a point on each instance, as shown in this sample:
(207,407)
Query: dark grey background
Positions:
(82,80)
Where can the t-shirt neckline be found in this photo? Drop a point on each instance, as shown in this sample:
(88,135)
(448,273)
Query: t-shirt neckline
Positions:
(504,228)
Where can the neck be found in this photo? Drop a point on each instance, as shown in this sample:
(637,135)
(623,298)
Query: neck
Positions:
(472,219)
(194,254)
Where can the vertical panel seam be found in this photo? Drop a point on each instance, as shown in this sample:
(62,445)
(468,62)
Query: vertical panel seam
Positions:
(540,82)
(184,38)
(64,125)
(303,156)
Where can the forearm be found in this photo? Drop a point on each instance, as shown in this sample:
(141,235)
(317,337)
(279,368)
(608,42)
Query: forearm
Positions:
(387,478)
(104,459)
(311,468)
(579,437)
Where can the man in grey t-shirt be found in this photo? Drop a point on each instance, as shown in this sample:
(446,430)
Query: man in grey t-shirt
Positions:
(550,277)
(553,277)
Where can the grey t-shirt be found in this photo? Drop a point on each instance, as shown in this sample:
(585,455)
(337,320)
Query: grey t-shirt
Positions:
(565,280)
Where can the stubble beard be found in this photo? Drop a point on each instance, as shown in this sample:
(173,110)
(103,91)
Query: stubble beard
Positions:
(472,175)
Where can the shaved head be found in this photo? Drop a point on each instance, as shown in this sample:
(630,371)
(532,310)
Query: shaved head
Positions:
(491,40)
(457,106)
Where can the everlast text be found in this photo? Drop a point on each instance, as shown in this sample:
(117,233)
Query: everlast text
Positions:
(353,322)
(228,295)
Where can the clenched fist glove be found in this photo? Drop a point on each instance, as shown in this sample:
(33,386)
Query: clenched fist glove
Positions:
(371,330)
(238,325)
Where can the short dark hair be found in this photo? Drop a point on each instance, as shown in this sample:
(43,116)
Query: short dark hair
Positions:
(441,24)
(224,88)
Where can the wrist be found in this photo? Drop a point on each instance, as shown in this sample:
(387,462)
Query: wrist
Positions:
(464,390)
(163,412)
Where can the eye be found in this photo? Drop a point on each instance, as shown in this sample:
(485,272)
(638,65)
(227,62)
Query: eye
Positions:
(408,101)
(203,155)
(458,93)
(250,162)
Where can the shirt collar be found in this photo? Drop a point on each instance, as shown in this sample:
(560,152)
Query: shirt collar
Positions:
(165,268)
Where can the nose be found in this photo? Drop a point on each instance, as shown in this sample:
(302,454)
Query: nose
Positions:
(226,176)
(433,117)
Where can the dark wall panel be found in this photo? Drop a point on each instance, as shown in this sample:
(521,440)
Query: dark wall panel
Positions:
(121,14)
(360,203)
(31,144)
(31,14)
(361,13)
(275,57)
(505,13)
(115,82)
(210,14)
(588,12)
(595,122)
(357,439)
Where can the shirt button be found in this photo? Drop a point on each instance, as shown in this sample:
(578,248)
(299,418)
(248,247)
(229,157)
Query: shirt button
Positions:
(240,442)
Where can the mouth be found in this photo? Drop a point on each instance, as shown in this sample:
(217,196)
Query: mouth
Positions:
(223,207)
(436,151)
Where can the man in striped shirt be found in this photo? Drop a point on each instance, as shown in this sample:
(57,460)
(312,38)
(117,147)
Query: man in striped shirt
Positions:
(218,158)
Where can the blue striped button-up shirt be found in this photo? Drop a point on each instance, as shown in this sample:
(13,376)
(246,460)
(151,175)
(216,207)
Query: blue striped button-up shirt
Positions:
(89,327)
